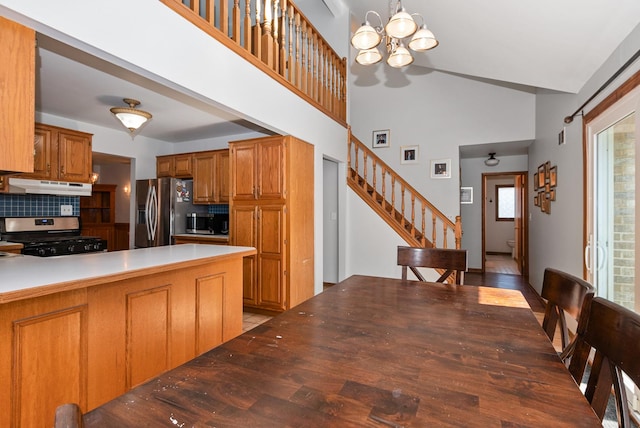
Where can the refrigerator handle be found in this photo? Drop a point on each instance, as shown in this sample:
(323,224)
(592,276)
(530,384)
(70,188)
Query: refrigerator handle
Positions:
(152,212)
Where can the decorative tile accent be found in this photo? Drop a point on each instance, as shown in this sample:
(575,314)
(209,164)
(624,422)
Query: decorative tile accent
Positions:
(219,209)
(12,205)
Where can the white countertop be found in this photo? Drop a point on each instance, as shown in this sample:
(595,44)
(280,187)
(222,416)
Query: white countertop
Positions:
(25,272)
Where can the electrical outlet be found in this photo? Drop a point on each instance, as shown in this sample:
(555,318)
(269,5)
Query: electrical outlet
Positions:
(66,209)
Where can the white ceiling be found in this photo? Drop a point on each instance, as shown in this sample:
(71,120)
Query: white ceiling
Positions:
(552,44)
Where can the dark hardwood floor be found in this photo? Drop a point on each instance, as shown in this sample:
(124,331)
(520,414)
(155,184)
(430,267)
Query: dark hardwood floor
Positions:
(512,282)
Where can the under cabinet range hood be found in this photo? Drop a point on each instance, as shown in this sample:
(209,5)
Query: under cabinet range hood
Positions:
(48,187)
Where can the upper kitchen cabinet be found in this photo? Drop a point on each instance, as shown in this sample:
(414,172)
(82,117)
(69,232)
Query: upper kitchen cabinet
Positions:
(258,166)
(178,166)
(211,177)
(17,103)
(61,154)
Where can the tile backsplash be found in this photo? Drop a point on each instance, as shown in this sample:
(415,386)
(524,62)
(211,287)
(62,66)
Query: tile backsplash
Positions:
(218,209)
(12,205)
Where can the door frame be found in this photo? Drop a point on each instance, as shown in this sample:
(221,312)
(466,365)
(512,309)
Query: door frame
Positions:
(523,242)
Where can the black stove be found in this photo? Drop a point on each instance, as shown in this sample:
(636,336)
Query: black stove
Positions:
(49,236)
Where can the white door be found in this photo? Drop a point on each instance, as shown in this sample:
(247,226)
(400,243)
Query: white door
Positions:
(611,197)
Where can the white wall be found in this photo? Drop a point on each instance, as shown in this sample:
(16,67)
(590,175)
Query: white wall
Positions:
(471,214)
(556,239)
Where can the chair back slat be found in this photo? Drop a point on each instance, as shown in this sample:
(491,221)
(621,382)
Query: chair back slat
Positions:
(565,295)
(452,261)
(614,332)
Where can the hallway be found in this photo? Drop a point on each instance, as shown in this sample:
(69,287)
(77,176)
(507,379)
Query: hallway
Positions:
(501,263)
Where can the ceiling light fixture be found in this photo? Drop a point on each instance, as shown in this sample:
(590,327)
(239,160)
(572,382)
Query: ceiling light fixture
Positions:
(492,161)
(131,118)
(401,26)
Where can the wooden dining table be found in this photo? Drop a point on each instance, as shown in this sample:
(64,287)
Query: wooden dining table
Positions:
(374,352)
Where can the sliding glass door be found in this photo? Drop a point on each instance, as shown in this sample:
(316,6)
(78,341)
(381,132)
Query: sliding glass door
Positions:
(610,254)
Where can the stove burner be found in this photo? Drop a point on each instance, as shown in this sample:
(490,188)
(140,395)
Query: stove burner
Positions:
(63,247)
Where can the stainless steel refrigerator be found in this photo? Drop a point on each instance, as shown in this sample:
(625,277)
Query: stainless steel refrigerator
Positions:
(162,207)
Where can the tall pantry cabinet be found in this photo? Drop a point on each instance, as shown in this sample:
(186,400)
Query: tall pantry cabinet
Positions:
(271,209)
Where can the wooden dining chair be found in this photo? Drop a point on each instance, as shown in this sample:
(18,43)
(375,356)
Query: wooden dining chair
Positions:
(565,294)
(68,416)
(613,331)
(450,261)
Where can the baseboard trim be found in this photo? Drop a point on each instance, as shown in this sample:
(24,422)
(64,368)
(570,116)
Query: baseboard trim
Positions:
(474,270)
(497,253)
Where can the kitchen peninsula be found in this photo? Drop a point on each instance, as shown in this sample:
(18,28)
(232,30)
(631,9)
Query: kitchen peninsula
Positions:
(87,328)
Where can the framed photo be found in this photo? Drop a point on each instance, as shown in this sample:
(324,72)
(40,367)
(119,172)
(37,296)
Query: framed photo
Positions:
(536,201)
(553,176)
(381,138)
(466,195)
(441,168)
(535,181)
(541,176)
(561,137)
(409,154)
(552,194)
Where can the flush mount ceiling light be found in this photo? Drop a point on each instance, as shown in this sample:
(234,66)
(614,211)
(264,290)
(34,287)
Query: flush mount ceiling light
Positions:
(492,161)
(131,118)
(400,30)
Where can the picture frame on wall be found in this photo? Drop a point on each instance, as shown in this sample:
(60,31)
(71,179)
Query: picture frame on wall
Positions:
(466,195)
(381,138)
(553,176)
(441,168)
(541,176)
(409,154)
(535,181)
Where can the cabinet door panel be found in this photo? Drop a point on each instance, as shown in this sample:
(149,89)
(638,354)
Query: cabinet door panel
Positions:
(224,177)
(165,166)
(243,166)
(243,233)
(75,157)
(203,176)
(209,311)
(271,256)
(42,151)
(183,166)
(271,170)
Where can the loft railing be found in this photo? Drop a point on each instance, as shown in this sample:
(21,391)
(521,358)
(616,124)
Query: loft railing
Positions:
(418,221)
(276,37)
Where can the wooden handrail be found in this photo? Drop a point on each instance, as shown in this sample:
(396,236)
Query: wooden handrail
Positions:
(276,37)
(402,206)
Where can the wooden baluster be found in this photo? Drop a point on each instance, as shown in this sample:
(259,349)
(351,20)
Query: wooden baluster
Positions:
(393,195)
(444,239)
(433,229)
(209,13)
(424,225)
(283,39)
(402,189)
(257,33)
(357,169)
(267,35)
(413,215)
(374,163)
(235,31)
(299,54)
(364,169)
(247,25)
(276,38)
(384,185)
(458,231)
(224,17)
(292,41)
(305,53)
(309,87)
(349,148)
(195,6)
(343,89)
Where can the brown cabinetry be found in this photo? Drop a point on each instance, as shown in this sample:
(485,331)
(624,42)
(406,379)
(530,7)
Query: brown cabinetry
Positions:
(97,213)
(211,177)
(272,210)
(61,154)
(178,166)
(17,103)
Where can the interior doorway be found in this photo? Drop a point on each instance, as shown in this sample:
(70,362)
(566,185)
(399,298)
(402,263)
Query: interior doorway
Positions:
(504,229)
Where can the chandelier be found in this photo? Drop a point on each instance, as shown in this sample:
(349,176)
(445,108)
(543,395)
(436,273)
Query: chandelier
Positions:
(400,28)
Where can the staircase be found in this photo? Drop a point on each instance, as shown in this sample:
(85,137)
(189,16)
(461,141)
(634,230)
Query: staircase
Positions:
(414,218)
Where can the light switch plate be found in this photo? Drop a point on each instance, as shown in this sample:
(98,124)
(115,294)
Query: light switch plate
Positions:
(66,209)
